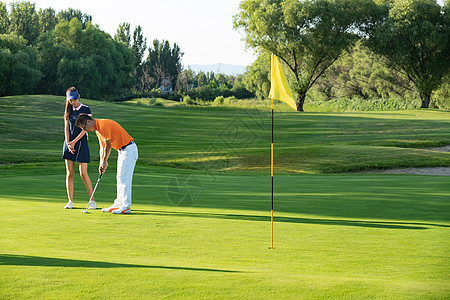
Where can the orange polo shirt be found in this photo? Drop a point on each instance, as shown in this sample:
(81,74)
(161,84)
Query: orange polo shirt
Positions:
(111,130)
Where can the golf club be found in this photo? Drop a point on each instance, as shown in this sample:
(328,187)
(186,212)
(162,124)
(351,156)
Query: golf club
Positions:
(86,210)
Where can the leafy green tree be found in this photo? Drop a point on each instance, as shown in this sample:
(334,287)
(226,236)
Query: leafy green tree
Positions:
(123,34)
(18,66)
(164,61)
(239,90)
(308,36)
(5,70)
(362,74)
(69,34)
(213,83)
(190,76)
(4,19)
(97,64)
(47,19)
(71,13)
(256,77)
(139,45)
(415,38)
(50,53)
(141,74)
(231,79)
(441,97)
(221,79)
(201,79)
(24,20)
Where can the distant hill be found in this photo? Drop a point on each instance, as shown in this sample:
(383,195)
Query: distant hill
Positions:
(219,68)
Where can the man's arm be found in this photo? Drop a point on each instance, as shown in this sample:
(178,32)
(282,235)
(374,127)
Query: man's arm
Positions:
(105,151)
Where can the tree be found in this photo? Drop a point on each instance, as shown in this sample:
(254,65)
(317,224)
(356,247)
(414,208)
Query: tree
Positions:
(414,37)
(142,77)
(189,74)
(221,79)
(201,79)
(95,63)
(47,19)
(361,73)
(308,36)
(256,76)
(71,13)
(24,20)
(123,34)
(139,45)
(50,53)
(4,19)
(164,61)
(18,66)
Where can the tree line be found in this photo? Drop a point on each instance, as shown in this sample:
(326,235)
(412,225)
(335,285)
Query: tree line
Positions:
(329,48)
(44,52)
(319,40)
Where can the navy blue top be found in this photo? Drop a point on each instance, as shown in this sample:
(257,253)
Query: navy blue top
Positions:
(82,153)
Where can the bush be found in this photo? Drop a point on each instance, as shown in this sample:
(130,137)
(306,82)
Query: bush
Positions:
(360,104)
(188,100)
(209,93)
(219,100)
(441,97)
(230,100)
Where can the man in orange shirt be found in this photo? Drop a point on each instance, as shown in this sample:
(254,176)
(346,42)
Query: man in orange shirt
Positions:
(111,135)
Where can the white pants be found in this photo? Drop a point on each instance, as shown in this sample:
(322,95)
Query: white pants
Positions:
(126,160)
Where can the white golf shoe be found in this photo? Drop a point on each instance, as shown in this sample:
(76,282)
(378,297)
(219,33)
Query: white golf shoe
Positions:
(123,210)
(69,205)
(92,205)
(111,208)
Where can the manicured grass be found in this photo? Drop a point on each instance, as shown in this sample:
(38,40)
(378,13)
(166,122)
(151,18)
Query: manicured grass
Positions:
(336,236)
(200,222)
(224,139)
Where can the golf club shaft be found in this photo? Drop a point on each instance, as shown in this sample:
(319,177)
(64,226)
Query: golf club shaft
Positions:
(92,195)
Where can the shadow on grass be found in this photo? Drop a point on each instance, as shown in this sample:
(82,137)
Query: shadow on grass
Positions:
(25,260)
(370,224)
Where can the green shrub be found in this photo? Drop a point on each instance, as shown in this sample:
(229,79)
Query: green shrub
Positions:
(219,100)
(441,97)
(188,100)
(360,104)
(230,100)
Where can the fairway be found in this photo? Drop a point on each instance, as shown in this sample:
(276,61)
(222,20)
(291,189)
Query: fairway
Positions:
(200,222)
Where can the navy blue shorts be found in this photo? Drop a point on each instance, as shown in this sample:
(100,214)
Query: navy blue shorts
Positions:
(81,153)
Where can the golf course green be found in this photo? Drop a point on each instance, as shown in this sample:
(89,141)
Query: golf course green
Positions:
(200,221)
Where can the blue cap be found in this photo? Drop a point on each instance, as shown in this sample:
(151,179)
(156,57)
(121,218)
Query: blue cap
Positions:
(72,95)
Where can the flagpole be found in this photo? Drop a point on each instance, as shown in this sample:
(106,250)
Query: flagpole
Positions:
(279,89)
(271,168)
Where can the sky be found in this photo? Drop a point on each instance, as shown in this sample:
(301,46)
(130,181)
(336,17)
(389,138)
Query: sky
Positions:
(203,29)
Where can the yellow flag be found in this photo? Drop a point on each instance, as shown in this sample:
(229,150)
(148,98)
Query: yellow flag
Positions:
(279,88)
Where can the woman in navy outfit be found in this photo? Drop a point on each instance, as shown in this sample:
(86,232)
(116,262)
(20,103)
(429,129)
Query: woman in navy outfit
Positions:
(76,148)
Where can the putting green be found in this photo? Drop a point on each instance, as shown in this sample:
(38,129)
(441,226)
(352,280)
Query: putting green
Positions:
(336,236)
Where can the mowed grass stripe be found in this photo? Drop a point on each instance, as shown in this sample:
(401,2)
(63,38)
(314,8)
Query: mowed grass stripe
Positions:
(352,236)
(233,139)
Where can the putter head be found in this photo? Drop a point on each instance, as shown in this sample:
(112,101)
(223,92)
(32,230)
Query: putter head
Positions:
(84,211)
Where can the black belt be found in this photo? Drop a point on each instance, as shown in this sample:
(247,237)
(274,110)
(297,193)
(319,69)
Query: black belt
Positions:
(121,148)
